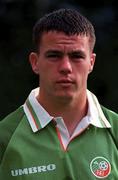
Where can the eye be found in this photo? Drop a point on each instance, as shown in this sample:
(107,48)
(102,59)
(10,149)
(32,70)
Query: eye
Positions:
(77,56)
(53,55)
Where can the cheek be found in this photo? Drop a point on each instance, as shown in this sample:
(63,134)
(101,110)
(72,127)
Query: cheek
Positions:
(46,73)
(42,69)
(82,70)
(82,74)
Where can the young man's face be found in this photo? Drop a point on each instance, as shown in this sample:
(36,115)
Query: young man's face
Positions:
(63,64)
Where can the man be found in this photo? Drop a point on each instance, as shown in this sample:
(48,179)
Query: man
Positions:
(61,132)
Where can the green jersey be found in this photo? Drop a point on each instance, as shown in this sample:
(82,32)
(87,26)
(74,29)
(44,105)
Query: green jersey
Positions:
(35,149)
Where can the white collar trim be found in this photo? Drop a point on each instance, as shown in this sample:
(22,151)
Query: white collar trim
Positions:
(95,114)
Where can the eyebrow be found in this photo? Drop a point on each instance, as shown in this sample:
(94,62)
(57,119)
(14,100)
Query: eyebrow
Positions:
(77,52)
(61,53)
(53,52)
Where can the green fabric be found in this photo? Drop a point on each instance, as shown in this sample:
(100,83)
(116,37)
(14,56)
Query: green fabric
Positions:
(39,156)
(7,128)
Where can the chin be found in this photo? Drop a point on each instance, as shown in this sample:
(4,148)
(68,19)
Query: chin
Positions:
(65,97)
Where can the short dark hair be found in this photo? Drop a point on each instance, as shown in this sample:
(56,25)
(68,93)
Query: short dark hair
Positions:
(69,21)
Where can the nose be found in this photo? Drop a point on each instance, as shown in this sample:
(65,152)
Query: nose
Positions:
(65,66)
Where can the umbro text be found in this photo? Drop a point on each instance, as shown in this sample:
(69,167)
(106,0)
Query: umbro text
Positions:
(32,170)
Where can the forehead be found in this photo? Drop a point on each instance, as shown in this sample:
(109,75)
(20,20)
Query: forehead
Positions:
(60,40)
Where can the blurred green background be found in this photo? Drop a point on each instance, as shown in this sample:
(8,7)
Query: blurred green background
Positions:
(17,18)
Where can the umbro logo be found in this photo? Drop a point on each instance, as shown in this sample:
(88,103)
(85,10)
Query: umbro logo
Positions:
(32,170)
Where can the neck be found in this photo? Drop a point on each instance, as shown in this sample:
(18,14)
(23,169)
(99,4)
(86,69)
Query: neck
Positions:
(71,111)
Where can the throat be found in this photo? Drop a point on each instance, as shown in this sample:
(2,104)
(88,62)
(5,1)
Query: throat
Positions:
(72,112)
(72,120)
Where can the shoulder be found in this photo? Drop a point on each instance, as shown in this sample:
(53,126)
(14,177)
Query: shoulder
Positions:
(110,115)
(7,128)
(12,120)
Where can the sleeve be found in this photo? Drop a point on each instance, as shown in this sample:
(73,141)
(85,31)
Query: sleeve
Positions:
(112,117)
(7,128)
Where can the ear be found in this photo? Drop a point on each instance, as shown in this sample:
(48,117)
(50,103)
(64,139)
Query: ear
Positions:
(92,62)
(33,58)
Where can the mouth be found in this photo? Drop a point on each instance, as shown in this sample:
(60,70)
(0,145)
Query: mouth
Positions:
(65,82)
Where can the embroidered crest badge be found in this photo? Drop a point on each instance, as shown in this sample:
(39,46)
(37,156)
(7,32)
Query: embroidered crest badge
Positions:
(100,167)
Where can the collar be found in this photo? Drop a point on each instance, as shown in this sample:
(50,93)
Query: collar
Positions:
(38,117)
(95,114)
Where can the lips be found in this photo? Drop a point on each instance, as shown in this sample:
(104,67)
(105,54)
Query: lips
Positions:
(65,82)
